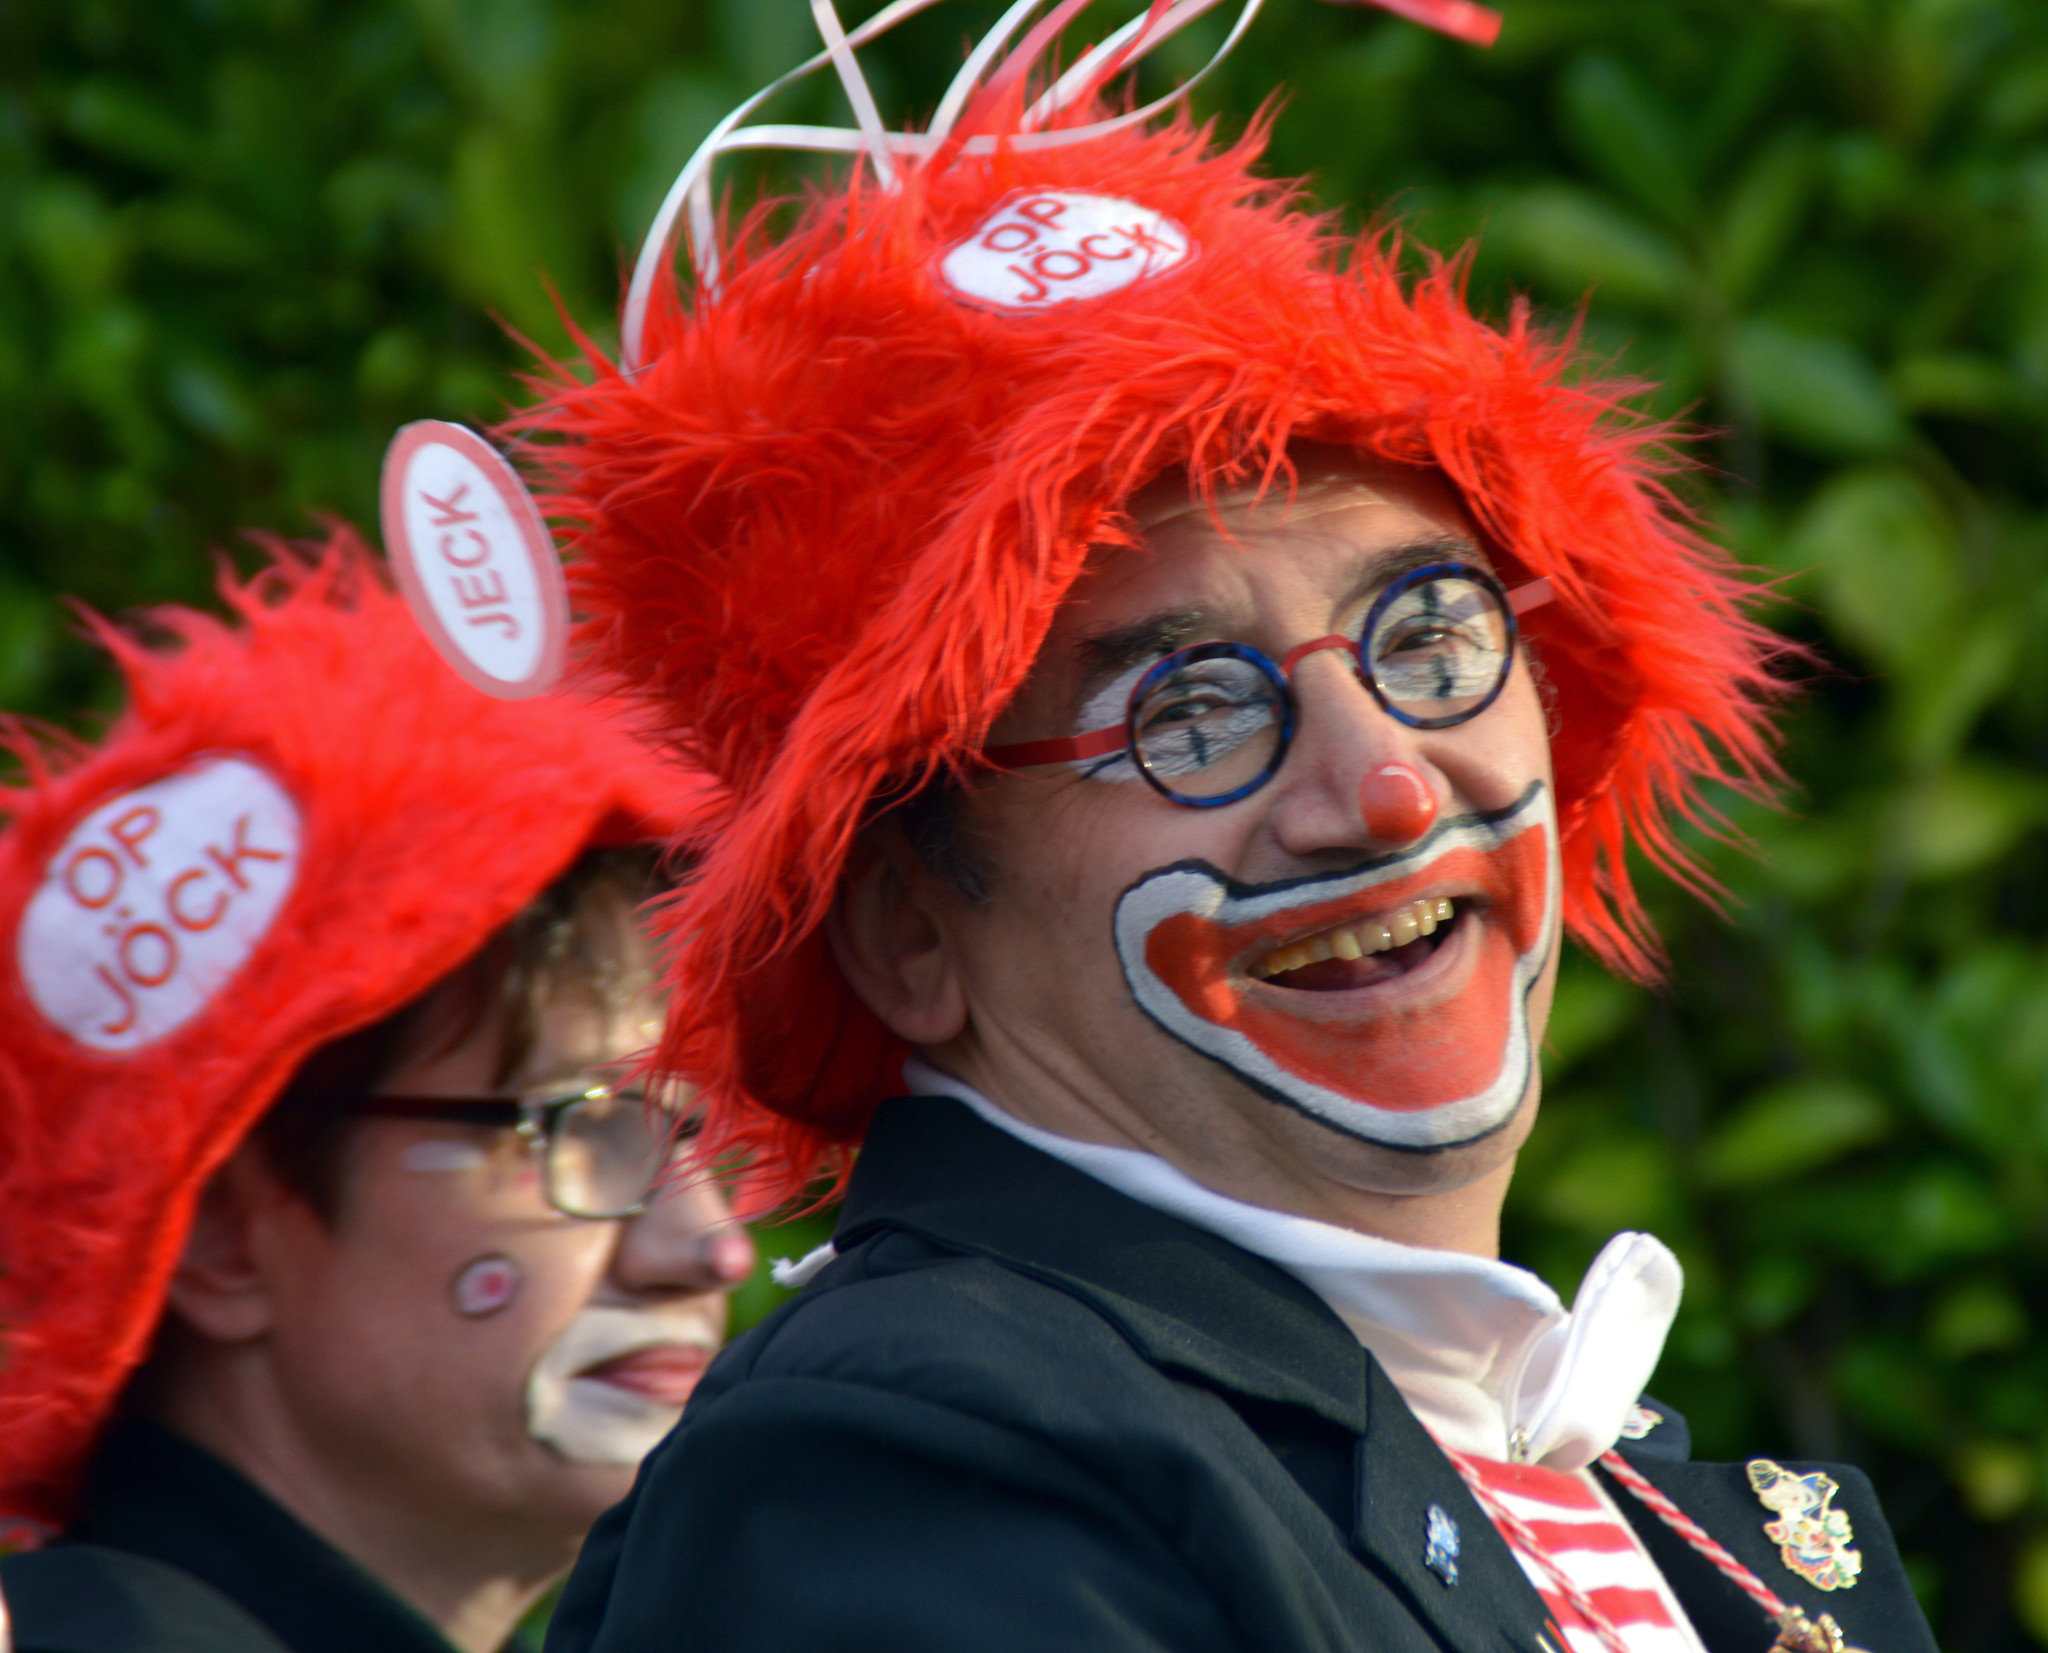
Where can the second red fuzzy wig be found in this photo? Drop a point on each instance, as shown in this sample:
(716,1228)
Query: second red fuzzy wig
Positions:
(300,822)
(826,524)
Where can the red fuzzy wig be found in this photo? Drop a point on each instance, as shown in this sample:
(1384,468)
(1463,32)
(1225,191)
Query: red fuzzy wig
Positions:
(826,524)
(300,823)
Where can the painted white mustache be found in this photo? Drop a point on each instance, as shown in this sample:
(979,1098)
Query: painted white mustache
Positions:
(588,1420)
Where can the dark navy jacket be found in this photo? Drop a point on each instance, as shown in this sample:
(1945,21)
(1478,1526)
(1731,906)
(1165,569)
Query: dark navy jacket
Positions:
(1023,1411)
(176,1553)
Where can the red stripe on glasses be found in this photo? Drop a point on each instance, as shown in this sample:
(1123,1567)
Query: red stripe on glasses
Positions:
(1100,743)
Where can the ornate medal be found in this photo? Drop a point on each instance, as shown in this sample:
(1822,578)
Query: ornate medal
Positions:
(1813,1540)
(1799,1634)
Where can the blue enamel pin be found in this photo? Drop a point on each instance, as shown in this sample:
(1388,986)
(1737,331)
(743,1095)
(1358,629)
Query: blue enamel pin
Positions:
(1440,1546)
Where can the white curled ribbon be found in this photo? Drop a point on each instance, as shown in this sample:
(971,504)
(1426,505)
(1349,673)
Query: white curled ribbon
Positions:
(689,203)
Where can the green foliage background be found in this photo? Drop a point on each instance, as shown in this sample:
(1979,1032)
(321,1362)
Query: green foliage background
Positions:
(241,240)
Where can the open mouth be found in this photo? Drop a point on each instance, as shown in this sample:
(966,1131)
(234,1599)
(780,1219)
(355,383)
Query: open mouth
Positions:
(1388,1001)
(665,1374)
(1360,953)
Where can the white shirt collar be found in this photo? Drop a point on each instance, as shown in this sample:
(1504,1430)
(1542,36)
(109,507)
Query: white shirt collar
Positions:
(1484,1353)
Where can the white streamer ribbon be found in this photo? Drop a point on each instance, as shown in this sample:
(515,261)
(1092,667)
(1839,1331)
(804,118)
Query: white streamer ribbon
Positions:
(689,203)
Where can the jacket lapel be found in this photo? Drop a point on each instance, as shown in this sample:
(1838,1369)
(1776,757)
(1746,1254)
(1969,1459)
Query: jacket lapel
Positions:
(1194,1304)
(1187,1300)
(1402,1476)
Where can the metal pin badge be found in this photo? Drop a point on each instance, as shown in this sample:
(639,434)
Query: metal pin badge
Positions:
(1813,1540)
(1440,1546)
(1639,1422)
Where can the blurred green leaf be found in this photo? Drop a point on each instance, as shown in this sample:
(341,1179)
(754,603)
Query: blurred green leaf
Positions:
(1591,1006)
(1762,212)
(1955,682)
(1954,822)
(2030,1588)
(74,238)
(1626,136)
(1976,1317)
(1816,392)
(1790,1129)
(1962,383)
(1888,562)
(1947,1211)
(1996,1477)
(1617,1182)
(28,624)
(1572,242)
(126,122)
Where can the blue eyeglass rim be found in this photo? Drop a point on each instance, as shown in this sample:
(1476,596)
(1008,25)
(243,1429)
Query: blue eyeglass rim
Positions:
(1187,657)
(1285,690)
(1418,576)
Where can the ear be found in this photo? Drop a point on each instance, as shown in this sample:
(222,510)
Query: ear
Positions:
(220,1289)
(887,933)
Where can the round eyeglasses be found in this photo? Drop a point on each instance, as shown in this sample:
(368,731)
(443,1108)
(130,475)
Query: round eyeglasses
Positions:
(1211,723)
(601,1146)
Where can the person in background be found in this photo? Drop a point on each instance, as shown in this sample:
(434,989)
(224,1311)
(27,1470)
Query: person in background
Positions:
(347,1272)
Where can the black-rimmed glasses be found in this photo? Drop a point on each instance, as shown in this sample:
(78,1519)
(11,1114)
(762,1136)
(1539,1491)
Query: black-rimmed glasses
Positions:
(1210,724)
(601,1146)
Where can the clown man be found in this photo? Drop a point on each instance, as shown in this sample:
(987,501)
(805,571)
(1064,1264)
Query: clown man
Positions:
(1176,679)
(337,1291)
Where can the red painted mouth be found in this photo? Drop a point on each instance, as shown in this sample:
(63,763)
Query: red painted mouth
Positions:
(665,1374)
(1418,1045)
(1422,1029)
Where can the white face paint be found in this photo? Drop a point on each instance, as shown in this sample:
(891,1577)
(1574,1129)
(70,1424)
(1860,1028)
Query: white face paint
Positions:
(440,1154)
(615,1380)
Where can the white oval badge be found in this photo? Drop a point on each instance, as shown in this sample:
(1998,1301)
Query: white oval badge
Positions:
(1043,247)
(156,899)
(475,561)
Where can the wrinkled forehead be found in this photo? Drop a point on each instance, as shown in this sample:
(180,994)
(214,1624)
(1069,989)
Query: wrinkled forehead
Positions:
(1249,563)
(1312,540)
(1321,481)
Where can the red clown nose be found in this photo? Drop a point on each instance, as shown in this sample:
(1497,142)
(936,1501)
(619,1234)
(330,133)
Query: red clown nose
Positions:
(1397,804)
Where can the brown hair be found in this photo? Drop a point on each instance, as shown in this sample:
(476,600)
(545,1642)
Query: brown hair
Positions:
(577,937)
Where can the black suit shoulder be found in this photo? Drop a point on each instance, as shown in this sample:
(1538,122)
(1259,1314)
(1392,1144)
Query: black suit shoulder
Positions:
(1021,1411)
(951,1454)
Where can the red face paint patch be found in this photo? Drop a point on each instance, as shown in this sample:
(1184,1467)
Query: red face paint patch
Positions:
(1439,1055)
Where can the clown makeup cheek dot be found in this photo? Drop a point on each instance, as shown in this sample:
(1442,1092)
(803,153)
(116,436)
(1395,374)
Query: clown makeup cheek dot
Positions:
(485,1286)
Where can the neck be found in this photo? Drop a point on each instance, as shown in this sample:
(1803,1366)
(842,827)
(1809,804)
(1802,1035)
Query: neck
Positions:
(471,1574)
(1260,1154)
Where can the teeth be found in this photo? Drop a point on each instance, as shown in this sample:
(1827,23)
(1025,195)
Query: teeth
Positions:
(1356,941)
